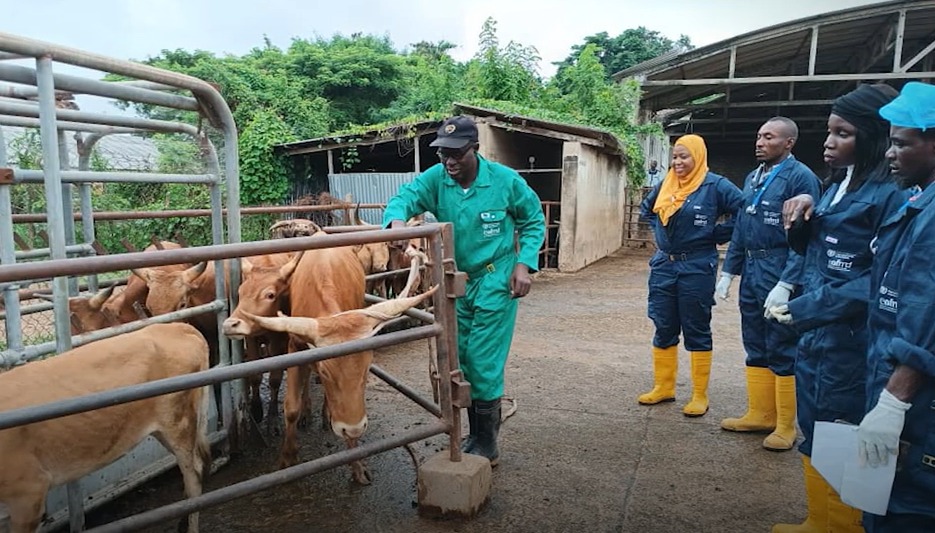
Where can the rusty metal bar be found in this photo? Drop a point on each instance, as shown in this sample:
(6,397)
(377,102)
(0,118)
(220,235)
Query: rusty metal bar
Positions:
(406,390)
(218,374)
(267,481)
(23,218)
(108,263)
(441,253)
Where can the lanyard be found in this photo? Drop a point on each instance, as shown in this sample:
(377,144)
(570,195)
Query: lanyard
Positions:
(769,179)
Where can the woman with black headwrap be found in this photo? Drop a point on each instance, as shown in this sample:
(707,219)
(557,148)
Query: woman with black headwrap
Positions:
(831,313)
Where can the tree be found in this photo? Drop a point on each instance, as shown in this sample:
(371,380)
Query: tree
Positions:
(630,48)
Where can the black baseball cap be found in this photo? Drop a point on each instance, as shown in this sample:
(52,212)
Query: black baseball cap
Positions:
(456,132)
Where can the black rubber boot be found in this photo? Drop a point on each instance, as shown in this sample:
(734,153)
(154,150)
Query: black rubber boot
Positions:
(488,429)
(468,444)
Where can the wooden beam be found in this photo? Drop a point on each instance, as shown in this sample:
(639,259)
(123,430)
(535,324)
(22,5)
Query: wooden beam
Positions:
(532,130)
(330,162)
(764,103)
(418,158)
(817,78)
(900,36)
(733,62)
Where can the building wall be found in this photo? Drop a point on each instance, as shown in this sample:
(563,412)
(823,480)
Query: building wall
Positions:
(593,206)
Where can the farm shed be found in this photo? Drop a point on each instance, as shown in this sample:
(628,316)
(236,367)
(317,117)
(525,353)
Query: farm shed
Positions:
(578,172)
(726,90)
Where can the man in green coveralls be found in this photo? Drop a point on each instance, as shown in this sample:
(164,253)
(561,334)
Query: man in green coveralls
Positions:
(487,203)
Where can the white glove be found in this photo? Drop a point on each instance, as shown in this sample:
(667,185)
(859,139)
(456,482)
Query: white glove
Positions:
(780,314)
(722,289)
(776,297)
(878,433)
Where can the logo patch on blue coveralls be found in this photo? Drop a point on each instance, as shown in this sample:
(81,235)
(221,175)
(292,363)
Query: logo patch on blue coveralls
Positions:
(701,220)
(491,223)
(840,261)
(772,218)
(889,299)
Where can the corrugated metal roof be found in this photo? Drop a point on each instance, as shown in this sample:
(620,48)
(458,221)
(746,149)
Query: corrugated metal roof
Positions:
(122,151)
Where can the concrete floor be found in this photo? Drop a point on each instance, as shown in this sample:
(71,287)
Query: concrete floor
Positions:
(579,454)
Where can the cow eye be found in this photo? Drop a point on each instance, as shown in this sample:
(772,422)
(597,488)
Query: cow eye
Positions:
(270,295)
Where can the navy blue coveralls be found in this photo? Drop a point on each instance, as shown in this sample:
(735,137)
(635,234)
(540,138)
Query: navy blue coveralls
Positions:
(902,331)
(831,313)
(760,253)
(683,269)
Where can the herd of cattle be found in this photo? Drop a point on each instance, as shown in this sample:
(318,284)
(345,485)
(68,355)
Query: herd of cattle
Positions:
(287,302)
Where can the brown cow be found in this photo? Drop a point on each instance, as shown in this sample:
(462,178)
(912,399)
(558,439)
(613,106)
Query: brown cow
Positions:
(86,313)
(121,305)
(170,291)
(40,455)
(324,282)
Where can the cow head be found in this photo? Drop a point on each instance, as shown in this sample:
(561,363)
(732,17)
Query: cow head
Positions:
(171,290)
(120,305)
(343,378)
(260,294)
(87,313)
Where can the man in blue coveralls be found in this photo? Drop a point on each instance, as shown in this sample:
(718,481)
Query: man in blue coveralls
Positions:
(901,359)
(487,203)
(770,274)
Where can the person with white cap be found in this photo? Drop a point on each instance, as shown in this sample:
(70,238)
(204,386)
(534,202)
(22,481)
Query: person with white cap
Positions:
(900,424)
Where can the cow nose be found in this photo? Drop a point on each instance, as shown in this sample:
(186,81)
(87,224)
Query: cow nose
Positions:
(231,324)
(350,431)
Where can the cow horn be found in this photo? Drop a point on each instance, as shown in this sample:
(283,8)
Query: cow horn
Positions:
(191,273)
(245,266)
(304,327)
(97,301)
(390,309)
(285,271)
(417,260)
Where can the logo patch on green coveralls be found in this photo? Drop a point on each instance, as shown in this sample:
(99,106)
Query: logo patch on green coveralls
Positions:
(491,223)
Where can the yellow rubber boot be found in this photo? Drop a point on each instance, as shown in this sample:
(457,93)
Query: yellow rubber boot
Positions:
(761,403)
(701,372)
(817,492)
(783,438)
(842,518)
(665,365)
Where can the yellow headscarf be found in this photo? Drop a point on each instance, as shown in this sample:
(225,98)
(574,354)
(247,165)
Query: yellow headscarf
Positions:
(674,191)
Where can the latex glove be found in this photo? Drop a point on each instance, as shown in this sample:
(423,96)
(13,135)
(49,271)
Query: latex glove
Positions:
(878,433)
(780,314)
(776,297)
(722,289)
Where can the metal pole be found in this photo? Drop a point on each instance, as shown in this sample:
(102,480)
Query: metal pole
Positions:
(406,390)
(12,321)
(30,122)
(441,250)
(78,176)
(23,110)
(67,191)
(85,146)
(56,231)
(217,374)
(22,218)
(120,91)
(267,481)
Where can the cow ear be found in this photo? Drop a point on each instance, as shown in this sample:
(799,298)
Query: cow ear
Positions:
(245,266)
(144,274)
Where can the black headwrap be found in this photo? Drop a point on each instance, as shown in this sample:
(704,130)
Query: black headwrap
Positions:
(861,107)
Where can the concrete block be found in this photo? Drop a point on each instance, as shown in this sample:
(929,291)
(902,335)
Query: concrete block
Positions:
(453,490)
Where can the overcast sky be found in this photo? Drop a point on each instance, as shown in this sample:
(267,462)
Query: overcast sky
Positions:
(137,29)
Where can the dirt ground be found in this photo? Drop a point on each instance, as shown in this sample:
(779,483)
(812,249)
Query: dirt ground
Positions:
(579,454)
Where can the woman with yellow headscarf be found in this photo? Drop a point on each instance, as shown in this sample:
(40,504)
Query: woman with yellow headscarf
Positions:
(684,211)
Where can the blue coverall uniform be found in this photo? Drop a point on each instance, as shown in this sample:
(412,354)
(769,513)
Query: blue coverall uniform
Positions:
(485,217)
(759,251)
(901,328)
(683,269)
(831,312)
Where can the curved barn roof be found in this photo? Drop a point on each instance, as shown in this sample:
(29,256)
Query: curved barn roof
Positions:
(795,68)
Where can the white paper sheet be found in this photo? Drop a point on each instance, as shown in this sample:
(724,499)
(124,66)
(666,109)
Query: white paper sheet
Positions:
(834,456)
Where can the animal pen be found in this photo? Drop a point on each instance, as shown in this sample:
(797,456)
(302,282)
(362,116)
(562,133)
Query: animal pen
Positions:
(29,100)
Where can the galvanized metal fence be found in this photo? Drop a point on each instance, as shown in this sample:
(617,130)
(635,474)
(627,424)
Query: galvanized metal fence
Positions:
(69,260)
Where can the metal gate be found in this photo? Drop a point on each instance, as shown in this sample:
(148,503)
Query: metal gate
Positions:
(69,259)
